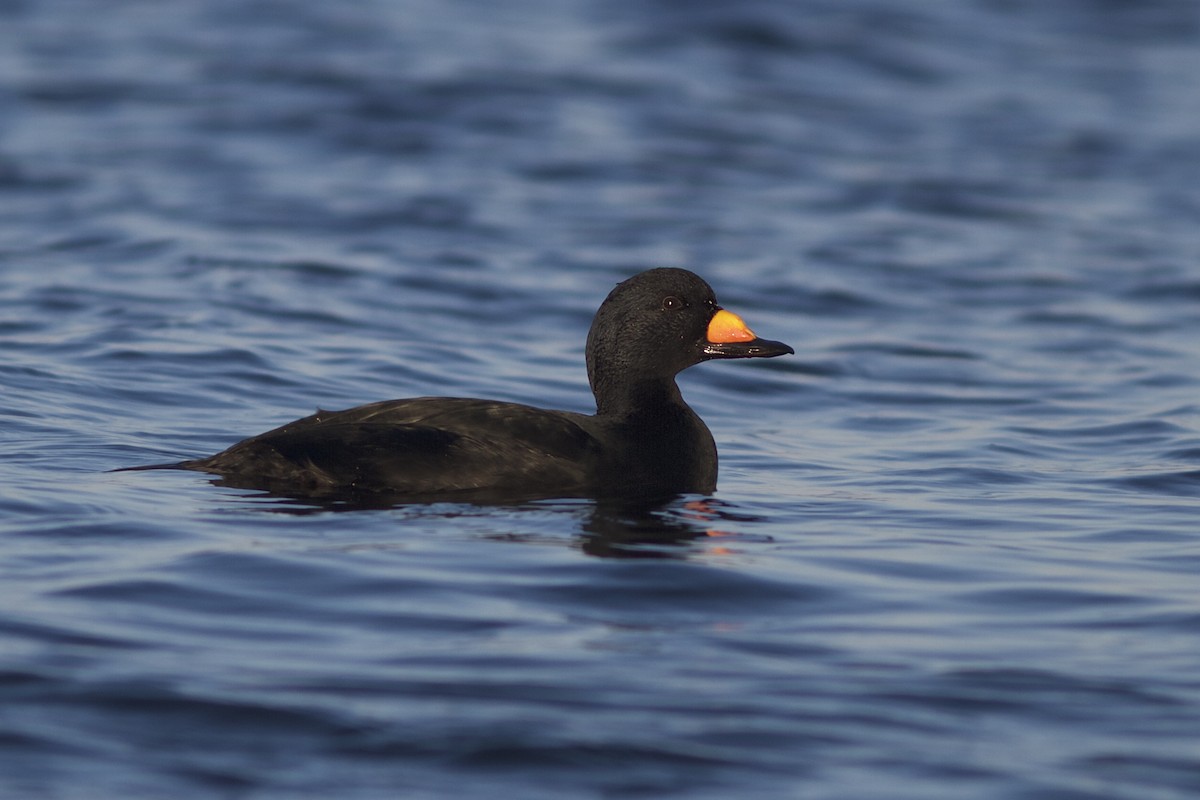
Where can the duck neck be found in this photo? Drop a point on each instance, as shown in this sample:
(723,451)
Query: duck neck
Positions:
(633,398)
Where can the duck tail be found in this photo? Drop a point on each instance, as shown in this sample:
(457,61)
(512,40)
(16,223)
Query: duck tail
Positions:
(142,467)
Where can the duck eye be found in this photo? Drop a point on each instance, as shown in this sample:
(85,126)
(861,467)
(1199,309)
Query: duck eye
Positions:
(671,303)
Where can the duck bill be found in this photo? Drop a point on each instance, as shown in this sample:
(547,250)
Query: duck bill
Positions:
(758,348)
(729,337)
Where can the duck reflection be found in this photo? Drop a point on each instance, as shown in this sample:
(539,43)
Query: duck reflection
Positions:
(663,530)
(663,527)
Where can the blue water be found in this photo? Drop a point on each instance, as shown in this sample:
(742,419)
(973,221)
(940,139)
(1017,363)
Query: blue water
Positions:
(954,549)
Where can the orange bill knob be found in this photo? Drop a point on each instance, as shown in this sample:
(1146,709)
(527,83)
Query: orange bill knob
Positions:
(726,327)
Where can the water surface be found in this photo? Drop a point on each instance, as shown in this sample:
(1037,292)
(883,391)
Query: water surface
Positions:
(954,548)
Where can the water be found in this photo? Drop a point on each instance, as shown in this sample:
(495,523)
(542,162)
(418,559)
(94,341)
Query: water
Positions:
(954,545)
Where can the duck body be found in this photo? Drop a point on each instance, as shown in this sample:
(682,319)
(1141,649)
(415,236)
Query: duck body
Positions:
(430,445)
(643,440)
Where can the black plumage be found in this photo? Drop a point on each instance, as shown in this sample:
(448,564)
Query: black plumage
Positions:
(643,440)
